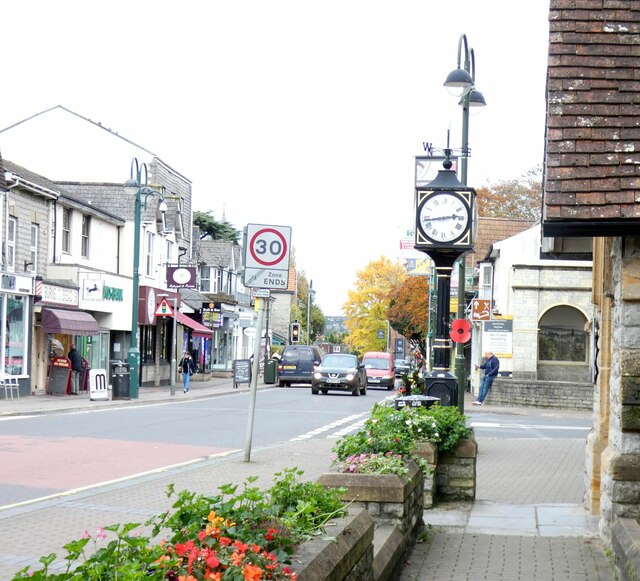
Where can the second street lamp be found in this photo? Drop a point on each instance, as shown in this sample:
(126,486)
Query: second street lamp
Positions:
(462,83)
(137,186)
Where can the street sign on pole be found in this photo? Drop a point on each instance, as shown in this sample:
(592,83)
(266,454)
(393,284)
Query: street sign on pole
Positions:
(266,256)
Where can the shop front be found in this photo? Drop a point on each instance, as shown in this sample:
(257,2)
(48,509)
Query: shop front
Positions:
(15,311)
(66,329)
(197,339)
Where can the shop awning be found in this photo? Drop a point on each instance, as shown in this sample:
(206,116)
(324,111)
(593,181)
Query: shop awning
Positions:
(197,329)
(68,322)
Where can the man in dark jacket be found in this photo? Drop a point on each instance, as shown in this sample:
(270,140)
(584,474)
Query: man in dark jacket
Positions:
(491,367)
(76,369)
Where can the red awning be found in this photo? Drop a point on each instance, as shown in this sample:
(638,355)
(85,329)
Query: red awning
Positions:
(197,329)
(68,322)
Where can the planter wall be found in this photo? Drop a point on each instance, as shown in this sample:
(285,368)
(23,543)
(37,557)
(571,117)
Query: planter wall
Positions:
(396,505)
(453,473)
(345,552)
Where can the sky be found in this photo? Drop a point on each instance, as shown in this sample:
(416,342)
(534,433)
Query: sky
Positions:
(291,112)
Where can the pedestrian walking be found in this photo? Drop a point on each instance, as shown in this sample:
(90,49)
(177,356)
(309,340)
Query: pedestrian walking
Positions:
(491,367)
(187,368)
(76,369)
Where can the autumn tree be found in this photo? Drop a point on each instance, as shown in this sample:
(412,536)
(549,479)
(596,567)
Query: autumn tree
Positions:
(367,305)
(519,198)
(214,229)
(409,310)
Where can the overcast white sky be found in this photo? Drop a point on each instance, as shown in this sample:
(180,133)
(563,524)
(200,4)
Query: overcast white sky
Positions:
(296,113)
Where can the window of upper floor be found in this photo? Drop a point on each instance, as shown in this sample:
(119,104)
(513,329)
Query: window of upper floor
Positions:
(205,279)
(33,250)
(12,232)
(86,227)
(149,254)
(169,248)
(66,230)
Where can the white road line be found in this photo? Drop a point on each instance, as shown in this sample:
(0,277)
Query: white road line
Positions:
(527,426)
(331,426)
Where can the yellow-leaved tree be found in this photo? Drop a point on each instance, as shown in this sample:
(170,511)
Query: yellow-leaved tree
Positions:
(367,305)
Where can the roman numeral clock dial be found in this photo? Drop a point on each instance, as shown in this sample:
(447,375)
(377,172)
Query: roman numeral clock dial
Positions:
(444,218)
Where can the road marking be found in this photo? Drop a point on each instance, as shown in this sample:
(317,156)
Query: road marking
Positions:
(331,426)
(526,426)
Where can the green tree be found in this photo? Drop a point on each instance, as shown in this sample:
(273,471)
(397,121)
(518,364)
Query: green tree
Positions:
(214,229)
(299,311)
(367,305)
(409,310)
(519,198)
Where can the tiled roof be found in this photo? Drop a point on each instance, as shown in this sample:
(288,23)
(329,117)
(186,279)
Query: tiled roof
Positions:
(220,253)
(492,230)
(592,166)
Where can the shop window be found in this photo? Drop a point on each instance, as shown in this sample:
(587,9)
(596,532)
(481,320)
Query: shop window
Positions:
(14,339)
(562,336)
(147,344)
(165,339)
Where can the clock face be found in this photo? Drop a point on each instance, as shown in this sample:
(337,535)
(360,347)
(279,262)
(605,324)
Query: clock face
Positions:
(444,217)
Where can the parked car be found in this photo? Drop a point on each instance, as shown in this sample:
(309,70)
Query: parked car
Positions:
(296,364)
(342,372)
(380,369)
(402,367)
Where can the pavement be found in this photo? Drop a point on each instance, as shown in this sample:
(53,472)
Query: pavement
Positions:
(527,522)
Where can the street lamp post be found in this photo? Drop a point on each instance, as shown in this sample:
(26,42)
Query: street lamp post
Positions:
(310,293)
(461,83)
(137,186)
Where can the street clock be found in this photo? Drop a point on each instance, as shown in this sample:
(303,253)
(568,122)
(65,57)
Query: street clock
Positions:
(444,215)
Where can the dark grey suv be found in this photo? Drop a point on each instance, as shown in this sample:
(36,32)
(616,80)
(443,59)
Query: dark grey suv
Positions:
(297,363)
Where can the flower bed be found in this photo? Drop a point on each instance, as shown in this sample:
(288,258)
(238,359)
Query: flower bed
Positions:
(249,535)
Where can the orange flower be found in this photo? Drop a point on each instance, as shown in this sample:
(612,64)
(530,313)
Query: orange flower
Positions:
(211,576)
(252,572)
(237,558)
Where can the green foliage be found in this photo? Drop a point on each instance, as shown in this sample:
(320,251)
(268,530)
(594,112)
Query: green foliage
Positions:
(272,520)
(398,431)
(214,229)
(452,426)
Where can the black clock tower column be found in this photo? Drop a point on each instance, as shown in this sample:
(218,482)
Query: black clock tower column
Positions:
(445,230)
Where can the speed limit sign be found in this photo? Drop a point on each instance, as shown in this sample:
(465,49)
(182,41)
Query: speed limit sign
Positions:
(266,259)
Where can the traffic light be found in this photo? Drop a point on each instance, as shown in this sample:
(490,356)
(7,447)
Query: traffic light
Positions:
(295,332)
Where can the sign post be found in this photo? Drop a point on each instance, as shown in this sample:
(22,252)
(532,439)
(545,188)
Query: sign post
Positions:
(254,381)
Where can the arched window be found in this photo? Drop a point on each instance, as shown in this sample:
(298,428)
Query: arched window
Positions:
(562,335)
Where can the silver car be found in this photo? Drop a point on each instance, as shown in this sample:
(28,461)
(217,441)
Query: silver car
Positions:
(341,372)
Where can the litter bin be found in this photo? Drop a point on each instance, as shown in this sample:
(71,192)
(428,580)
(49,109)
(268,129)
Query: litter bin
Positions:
(415,401)
(270,371)
(120,380)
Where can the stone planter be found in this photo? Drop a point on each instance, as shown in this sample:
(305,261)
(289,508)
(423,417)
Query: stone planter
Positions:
(453,473)
(395,504)
(455,477)
(344,552)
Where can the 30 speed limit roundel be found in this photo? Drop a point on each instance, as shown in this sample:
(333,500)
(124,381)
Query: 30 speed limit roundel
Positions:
(268,246)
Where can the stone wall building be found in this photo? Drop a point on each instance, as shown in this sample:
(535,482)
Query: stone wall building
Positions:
(592,190)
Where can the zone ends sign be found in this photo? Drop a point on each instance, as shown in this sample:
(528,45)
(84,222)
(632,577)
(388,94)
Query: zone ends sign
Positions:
(266,256)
